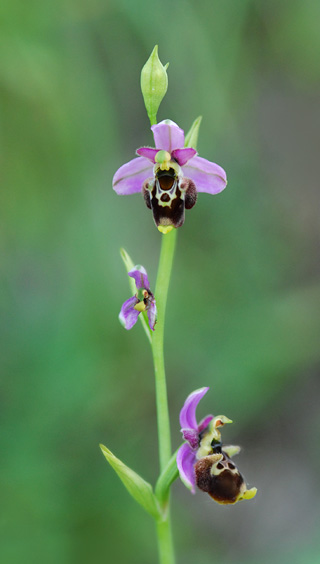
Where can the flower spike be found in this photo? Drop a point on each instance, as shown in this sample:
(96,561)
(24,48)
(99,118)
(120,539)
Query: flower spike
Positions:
(203,461)
(169,176)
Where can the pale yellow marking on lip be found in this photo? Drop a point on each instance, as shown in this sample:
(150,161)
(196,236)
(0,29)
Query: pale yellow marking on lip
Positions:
(165,229)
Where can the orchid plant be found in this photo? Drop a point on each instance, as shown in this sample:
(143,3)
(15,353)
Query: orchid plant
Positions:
(169,177)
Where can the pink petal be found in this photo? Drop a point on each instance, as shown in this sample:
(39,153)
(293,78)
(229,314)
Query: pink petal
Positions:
(128,316)
(207,176)
(140,276)
(147,153)
(204,423)
(168,135)
(129,177)
(186,460)
(188,412)
(152,315)
(192,436)
(182,156)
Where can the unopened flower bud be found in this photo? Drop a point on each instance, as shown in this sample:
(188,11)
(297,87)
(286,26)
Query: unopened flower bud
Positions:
(154,84)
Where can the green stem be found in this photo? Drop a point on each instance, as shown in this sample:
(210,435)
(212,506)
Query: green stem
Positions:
(165,545)
(153,119)
(161,292)
(166,552)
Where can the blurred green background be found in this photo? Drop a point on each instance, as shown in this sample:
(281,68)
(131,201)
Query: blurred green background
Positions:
(243,310)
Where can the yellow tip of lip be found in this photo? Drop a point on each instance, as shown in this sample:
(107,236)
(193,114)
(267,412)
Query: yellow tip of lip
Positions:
(249,494)
(165,229)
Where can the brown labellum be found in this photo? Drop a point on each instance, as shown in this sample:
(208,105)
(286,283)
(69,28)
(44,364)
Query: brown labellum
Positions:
(168,196)
(221,481)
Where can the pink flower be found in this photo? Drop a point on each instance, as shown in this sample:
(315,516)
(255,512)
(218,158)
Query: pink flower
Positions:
(142,301)
(169,176)
(203,461)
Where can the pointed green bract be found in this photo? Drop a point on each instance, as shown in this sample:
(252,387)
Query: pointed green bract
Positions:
(166,478)
(191,139)
(140,490)
(128,263)
(126,259)
(154,84)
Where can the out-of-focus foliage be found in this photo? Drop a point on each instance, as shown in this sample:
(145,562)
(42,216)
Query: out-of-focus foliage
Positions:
(243,311)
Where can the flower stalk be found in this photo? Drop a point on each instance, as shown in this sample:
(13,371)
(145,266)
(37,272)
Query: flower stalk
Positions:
(161,293)
(165,544)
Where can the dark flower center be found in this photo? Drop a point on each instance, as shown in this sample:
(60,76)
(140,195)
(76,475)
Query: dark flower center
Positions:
(168,195)
(145,298)
(166,179)
(216,446)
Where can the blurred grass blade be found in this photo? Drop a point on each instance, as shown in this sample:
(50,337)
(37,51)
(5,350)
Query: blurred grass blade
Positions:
(140,490)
